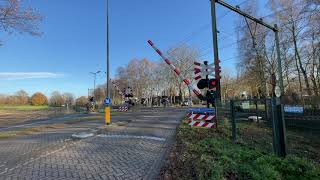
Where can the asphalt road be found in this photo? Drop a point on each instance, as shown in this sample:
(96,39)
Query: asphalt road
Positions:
(132,150)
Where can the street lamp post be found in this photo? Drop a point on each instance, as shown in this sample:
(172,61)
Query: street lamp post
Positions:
(107,107)
(108,72)
(94,80)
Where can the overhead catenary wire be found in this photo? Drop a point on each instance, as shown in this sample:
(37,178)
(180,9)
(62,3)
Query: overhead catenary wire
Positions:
(259,34)
(201,28)
(263,32)
(271,14)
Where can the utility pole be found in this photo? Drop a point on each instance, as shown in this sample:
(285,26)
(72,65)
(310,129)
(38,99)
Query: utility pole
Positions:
(276,33)
(216,58)
(107,101)
(108,68)
(215,48)
(279,132)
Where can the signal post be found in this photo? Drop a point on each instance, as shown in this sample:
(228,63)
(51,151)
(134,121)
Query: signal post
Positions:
(107,117)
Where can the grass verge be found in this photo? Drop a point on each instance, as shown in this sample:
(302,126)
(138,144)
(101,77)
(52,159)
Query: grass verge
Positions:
(29,131)
(209,154)
(23,107)
(83,119)
(99,116)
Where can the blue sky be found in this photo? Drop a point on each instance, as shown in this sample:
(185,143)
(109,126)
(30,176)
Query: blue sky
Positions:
(74,40)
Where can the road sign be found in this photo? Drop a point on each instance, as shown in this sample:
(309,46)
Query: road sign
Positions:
(293,109)
(107,101)
(202,110)
(203,70)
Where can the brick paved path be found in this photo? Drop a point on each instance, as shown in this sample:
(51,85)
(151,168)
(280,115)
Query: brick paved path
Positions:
(134,151)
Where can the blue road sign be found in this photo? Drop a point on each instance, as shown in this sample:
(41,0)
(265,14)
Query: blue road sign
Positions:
(202,110)
(107,101)
(293,109)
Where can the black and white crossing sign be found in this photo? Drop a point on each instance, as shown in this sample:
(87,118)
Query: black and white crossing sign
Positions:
(203,70)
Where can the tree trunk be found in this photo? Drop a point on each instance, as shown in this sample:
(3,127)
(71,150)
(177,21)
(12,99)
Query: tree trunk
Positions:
(299,77)
(303,71)
(314,65)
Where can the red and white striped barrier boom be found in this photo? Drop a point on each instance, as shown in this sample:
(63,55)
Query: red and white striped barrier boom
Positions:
(201,117)
(118,89)
(201,124)
(177,71)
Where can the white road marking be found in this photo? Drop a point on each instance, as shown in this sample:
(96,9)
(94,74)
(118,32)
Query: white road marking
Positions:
(82,135)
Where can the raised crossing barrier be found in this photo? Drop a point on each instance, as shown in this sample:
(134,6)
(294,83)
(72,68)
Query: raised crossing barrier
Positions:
(123,108)
(195,90)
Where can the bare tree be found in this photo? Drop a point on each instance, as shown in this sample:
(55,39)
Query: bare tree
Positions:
(57,99)
(22,97)
(68,98)
(100,93)
(294,21)
(183,57)
(14,17)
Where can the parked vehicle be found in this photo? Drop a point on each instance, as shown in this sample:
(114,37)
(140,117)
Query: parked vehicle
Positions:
(185,103)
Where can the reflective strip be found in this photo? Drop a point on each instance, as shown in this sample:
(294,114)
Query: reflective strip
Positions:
(201,117)
(186,81)
(197,63)
(196,116)
(196,123)
(197,78)
(167,61)
(201,124)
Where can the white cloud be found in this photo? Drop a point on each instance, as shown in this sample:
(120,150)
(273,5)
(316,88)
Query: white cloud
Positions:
(28,75)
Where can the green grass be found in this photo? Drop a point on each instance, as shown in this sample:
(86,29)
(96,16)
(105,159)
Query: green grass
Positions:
(99,116)
(209,154)
(82,119)
(23,107)
(28,131)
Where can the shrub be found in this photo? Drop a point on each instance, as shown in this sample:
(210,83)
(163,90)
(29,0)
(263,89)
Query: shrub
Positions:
(81,101)
(206,154)
(39,99)
(22,97)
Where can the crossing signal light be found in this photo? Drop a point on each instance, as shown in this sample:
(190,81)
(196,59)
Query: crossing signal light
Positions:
(212,83)
(203,83)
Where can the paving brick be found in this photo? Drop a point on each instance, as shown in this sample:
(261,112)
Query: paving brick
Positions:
(130,154)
